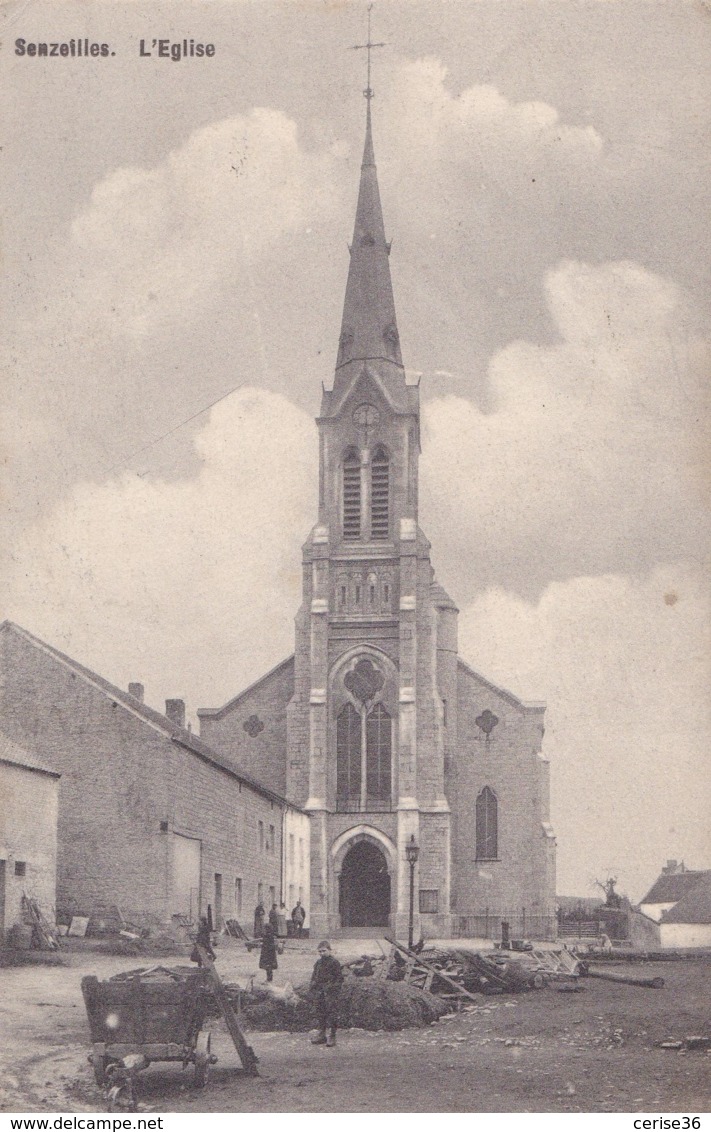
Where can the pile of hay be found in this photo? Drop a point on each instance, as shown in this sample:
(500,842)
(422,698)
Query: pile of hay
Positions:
(370,1004)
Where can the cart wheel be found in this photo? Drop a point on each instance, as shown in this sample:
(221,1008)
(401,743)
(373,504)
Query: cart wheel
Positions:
(202,1059)
(98,1061)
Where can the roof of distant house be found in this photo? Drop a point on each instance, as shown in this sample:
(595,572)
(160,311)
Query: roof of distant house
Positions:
(695,906)
(669,888)
(178,734)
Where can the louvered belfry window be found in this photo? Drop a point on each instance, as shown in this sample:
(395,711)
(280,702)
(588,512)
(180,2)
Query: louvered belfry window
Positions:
(380,496)
(487,822)
(351,496)
(348,755)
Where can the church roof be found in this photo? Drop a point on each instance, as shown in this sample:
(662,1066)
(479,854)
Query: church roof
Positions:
(369,332)
(221,712)
(440,597)
(15,755)
(524,705)
(171,730)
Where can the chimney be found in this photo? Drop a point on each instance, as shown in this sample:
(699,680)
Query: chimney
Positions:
(137,691)
(175,710)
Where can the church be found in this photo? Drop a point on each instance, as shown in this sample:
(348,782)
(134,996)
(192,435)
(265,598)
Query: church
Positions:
(376,727)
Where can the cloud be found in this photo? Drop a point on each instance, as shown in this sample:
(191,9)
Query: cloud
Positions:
(593,457)
(188,585)
(622,663)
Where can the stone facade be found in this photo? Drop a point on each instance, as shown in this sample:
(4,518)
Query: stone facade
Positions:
(150,818)
(28,834)
(387,735)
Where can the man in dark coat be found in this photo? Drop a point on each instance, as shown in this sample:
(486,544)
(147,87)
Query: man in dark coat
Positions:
(326,982)
(259,921)
(268,954)
(298,915)
(274,918)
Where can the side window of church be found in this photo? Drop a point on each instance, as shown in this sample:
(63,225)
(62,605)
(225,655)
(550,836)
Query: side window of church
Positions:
(487,823)
(380,495)
(348,755)
(351,495)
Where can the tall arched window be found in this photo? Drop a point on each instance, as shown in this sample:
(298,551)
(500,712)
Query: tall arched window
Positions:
(351,495)
(380,495)
(348,755)
(378,731)
(487,822)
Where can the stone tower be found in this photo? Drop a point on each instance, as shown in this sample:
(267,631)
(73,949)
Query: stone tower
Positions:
(376,727)
(375,660)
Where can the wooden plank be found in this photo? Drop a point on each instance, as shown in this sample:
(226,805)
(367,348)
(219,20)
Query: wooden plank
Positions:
(247,1055)
(440,974)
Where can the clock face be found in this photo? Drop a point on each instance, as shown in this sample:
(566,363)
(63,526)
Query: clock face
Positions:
(366,416)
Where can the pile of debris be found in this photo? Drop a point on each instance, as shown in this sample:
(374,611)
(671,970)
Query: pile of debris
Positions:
(367,1004)
(460,973)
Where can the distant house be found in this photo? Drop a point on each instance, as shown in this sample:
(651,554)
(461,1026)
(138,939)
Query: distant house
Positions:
(673,884)
(150,818)
(28,833)
(688,923)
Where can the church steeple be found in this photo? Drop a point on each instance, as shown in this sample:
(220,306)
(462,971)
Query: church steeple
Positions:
(369,325)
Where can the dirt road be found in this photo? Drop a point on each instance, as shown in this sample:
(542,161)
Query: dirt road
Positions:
(538,1052)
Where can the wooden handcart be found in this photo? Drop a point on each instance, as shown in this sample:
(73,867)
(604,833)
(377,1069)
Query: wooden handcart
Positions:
(154,1015)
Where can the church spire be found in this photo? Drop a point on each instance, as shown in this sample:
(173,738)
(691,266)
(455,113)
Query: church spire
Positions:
(369,326)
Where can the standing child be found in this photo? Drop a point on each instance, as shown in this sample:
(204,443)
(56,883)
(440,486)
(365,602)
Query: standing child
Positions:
(268,954)
(326,984)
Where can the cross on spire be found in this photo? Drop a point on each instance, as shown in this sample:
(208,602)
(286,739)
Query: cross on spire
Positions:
(368,92)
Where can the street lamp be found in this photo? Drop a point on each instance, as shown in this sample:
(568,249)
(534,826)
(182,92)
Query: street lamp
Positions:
(412,852)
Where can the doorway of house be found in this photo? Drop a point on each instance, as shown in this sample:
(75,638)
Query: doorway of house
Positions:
(364,895)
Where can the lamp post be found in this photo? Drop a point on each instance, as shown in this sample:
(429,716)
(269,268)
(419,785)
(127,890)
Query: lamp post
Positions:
(412,852)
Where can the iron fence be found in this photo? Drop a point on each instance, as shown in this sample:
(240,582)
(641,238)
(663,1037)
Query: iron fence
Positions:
(523,924)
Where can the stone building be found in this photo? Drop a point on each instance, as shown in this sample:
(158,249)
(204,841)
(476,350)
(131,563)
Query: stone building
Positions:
(149,817)
(376,726)
(28,833)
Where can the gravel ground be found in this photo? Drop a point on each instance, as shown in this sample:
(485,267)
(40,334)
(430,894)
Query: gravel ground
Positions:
(538,1052)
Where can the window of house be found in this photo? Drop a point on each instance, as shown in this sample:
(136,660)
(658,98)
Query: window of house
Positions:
(487,822)
(291,896)
(272,895)
(260,828)
(260,893)
(351,495)
(238,897)
(357,595)
(272,840)
(380,495)
(301,855)
(291,849)
(386,594)
(20,868)
(429,900)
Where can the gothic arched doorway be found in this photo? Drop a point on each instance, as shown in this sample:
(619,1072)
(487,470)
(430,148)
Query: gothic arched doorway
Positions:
(364,895)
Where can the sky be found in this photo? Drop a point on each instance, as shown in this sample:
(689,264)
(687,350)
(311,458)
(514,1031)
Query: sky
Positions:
(177,231)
